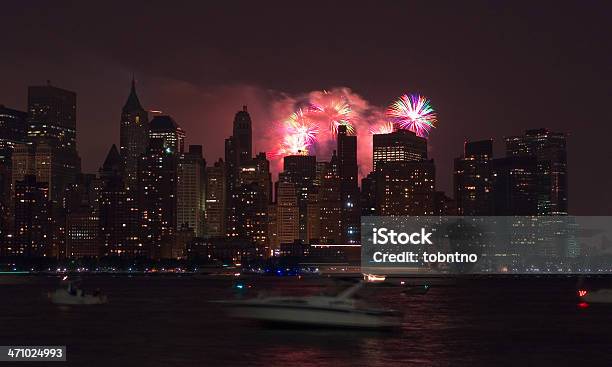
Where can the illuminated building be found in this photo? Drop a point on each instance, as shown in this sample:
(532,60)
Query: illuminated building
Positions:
(81,207)
(403,181)
(52,116)
(134,135)
(164,127)
(33,235)
(287,212)
(82,234)
(273,239)
(12,132)
(549,149)
(406,188)
(254,195)
(157,190)
(330,203)
(301,171)
(119,216)
(52,127)
(349,190)
(40,160)
(238,151)
(473,180)
(191,195)
(215,199)
(398,146)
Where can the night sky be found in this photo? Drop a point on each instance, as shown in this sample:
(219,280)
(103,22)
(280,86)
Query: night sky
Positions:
(491,69)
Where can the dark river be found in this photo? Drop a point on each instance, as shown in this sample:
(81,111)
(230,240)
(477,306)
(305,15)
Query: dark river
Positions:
(168,321)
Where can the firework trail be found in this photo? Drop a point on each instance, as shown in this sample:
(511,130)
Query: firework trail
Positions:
(385,127)
(308,124)
(300,134)
(317,121)
(334,111)
(413,112)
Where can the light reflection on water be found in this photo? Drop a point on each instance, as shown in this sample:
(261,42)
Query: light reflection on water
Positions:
(162,321)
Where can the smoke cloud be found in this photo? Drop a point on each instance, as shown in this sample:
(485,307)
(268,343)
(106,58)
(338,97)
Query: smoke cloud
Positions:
(363,116)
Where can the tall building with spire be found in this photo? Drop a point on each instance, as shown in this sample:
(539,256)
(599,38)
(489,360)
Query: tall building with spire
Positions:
(238,152)
(134,135)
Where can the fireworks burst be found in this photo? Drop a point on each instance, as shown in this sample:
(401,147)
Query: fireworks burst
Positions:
(413,112)
(300,134)
(386,127)
(306,126)
(335,111)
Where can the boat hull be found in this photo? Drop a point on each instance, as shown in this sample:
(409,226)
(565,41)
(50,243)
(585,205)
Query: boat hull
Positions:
(308,317)
(62,297)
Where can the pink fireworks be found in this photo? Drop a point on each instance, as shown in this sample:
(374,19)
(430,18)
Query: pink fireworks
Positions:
(413,112)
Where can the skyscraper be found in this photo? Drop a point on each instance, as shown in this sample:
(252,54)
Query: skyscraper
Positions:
(215,199)
(254,195)
(52,116)
(191,186)
(48,164)
(301,171)
(549,149)
(12,132)
(287,213)
(403,179)
(349,189)
(119,216)
(398,146)
(330,202)
(134,135)
(243,135)
(81,207)
(171,134)
(52,130)
(238,151)
(473,179)
(515,186)
(157,191)
(368,194)
(33,235)
(406,188)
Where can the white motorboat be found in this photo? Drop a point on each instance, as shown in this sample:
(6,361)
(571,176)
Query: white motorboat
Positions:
(340,311)
(598,296)
(75,296)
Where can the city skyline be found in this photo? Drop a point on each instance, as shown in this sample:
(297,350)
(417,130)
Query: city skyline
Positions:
(150,199)
(276,160)
(511,68)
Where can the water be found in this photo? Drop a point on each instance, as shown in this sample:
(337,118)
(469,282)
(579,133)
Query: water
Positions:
(168,321)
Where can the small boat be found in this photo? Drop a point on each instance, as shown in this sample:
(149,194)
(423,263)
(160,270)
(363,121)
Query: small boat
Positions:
(340,311)
(373,278)
(416,289)
(598,296)
(76,296)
